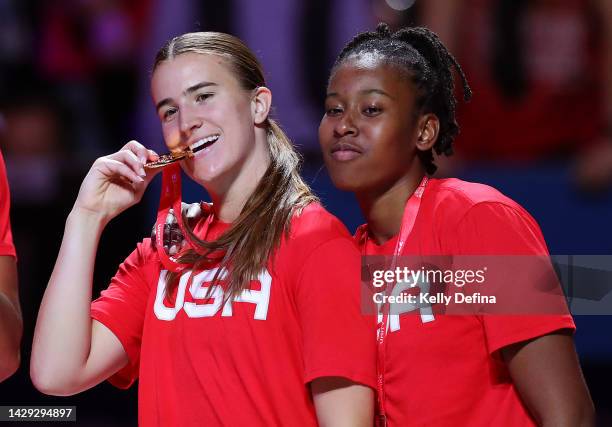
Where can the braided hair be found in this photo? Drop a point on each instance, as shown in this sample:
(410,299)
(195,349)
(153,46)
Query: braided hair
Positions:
(419,53)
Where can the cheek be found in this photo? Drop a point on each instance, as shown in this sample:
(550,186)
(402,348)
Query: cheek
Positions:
(322,131)
(237,104)
(326,131)
(380,131)
(172,135)
(393,140)
(233,117)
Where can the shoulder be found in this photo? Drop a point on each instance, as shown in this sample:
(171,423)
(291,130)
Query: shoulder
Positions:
(464,194)
(143,255)
(479,218)
(452,199)
(314,223)
(315,230)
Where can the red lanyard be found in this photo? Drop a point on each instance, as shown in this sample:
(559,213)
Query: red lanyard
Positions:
(411,211)
(171,198)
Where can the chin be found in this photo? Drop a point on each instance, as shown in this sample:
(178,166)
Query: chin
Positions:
(203,170)
(198,176)
(343,181)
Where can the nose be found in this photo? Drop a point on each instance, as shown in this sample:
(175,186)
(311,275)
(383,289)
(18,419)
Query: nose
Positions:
(345,126)
(189,121)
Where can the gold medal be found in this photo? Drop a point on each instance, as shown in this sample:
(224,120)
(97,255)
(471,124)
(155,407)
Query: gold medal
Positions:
(166,159)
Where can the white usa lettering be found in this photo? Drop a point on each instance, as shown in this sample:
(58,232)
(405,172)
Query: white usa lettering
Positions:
(199,290)
(398,309)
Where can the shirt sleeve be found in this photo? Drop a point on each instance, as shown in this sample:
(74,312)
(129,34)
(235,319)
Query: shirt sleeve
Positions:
(339,340)
(121,308)
(497,230)
(6,238)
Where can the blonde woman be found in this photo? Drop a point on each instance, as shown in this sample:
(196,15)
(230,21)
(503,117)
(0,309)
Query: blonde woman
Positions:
(260,323)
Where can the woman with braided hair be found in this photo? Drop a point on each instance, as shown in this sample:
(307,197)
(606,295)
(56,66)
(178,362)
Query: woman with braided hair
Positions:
(390,104)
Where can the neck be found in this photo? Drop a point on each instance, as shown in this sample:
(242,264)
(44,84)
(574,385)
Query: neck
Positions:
(230,196)
(383,207)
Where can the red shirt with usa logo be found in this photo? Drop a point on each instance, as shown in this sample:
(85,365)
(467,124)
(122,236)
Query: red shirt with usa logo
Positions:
(247,361)
(449,371)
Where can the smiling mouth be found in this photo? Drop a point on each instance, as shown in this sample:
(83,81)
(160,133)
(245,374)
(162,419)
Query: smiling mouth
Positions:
(203,143)
(166,159)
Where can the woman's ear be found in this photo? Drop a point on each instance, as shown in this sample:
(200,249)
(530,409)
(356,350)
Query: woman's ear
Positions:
(260,106)
(428,129)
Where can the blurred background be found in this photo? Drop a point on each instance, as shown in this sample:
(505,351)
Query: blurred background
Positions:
(74,85)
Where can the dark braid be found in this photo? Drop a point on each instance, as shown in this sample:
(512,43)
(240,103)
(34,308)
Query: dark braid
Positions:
(426,61)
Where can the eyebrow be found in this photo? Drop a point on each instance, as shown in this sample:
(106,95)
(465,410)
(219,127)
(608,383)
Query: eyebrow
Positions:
(363,92)
(188,91)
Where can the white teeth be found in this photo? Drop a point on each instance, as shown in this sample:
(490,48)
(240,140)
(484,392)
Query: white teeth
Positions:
(203,141)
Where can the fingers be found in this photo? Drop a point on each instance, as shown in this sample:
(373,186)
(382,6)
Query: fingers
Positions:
(130,159)
(115,168)
(142,153)
(152,156)
(136,155)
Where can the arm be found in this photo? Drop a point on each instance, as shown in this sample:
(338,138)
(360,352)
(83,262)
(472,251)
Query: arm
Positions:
(547,375)
(339,341)
(11,325)
(70,352)
(538,349)
(342,403)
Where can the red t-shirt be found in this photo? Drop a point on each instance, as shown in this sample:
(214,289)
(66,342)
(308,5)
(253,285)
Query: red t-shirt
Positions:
(448,372)
(249,362)
(6,237)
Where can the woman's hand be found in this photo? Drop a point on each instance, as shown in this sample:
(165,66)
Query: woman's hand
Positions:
(116,182)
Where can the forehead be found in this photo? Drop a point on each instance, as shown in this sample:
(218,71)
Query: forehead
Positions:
(369,71)
(173,76)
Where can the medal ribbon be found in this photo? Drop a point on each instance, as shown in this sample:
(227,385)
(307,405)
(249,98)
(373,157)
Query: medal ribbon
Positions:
(171,198)
(411,211)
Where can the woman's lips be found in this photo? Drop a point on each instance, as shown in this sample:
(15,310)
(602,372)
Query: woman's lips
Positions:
(344,152)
